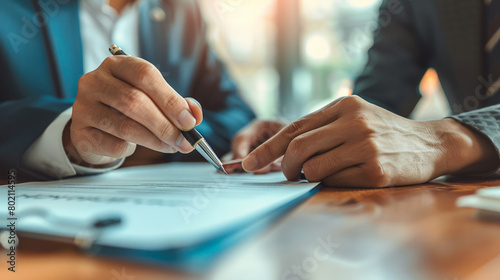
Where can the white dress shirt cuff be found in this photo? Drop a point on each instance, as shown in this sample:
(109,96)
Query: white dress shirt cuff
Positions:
(47,155)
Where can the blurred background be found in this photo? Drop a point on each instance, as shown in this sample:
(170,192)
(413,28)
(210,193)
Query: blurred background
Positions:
(291,57)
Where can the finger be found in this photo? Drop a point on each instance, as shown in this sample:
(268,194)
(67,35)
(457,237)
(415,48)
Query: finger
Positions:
(96,146)
(275,147)
(232,169)
(345,178)
(254,135)
(240,146)
(367,175)
(117,124)
(309,144)
(323,165)
(146,77)
(273,167)
(232,166)
(244,141)
(276,166)
(196,109)
(136,105)
(263,171)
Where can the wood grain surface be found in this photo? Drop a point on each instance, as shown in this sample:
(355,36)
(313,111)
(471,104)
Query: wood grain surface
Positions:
(413,232)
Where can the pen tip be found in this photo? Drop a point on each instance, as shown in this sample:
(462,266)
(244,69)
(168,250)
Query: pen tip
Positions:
(222,170)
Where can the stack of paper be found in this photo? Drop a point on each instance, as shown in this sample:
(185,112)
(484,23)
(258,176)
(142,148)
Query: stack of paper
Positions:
(487,201)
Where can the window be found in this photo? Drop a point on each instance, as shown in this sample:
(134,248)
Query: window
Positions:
(291,57)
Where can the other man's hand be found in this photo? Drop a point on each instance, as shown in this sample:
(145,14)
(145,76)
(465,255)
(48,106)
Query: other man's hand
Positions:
(250,137)
(352,143)
(124,103)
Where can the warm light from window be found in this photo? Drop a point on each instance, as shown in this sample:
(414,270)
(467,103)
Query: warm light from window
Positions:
(362,3)
(317,48)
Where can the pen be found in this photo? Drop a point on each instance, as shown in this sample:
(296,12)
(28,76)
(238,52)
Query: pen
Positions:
(193,136)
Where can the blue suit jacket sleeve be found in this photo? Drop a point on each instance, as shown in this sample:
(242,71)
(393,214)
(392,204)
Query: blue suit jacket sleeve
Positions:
(22,122)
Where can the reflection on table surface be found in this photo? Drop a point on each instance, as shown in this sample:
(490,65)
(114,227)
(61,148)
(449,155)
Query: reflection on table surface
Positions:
(413,232)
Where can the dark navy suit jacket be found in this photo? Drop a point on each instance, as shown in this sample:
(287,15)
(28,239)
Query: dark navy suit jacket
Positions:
(446,35)
(29,99)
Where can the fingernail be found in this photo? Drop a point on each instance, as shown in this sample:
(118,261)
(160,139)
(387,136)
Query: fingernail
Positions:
(193,101)
(250,163)
(186,120)
(130,149)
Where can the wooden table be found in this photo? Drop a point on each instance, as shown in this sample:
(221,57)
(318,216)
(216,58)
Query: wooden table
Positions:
(413,232)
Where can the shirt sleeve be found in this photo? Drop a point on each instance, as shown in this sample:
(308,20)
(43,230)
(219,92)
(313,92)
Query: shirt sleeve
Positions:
(487,122)
(47,155)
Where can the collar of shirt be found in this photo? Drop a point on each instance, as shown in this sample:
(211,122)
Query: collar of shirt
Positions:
(101,26)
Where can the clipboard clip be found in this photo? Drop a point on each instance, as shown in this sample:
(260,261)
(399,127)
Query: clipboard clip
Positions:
(88,236)
(87,233)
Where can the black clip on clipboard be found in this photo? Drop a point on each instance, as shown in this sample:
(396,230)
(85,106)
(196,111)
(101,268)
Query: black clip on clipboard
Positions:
(86,235)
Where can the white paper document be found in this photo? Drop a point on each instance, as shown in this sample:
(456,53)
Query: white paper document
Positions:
(165,206)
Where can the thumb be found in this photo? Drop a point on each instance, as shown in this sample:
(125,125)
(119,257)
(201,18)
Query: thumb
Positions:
(196,109)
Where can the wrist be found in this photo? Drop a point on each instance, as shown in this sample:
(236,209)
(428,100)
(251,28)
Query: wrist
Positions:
(464,149)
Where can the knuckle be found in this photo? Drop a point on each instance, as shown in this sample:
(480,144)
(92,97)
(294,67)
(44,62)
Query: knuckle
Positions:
(353,99)
(158,145)
(297,146)
(371,148)
(104,121)
(127,129)
(85,79)
(118,148)
(82,136)
(310,169)
(295,128)
(146,73)
(361,119)
(331,161)
(132,101)
(361,123)
(109,62)
(85,83)
(170,101)
(166,131)
(353,102)
(376,175)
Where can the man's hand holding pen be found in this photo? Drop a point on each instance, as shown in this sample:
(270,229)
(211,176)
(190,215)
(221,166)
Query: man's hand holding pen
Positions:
(124,103)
